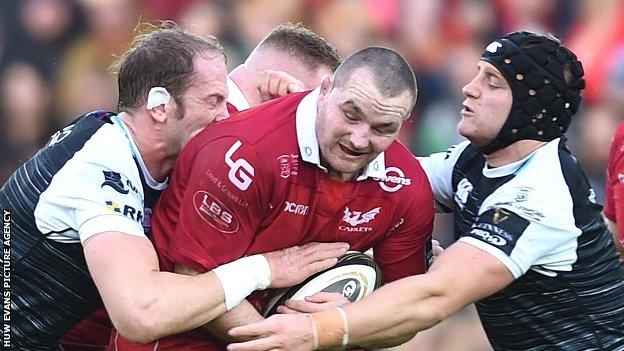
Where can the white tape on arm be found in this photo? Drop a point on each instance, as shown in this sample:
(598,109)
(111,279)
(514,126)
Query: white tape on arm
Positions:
(157,96)
(241,277)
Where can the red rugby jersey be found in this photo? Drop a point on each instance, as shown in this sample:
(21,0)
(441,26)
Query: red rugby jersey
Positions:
(252,184)
(614,184)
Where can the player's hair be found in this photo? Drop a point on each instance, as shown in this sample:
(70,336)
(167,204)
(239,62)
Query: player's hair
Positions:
(303,44)
(162,55)
(392,75)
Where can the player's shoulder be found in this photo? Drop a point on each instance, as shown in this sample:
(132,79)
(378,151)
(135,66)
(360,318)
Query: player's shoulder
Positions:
(400,156)
(263,124)
(403,171)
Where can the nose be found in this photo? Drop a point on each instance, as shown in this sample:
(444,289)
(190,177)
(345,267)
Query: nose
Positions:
(360,136)
(470,90)
(223,114)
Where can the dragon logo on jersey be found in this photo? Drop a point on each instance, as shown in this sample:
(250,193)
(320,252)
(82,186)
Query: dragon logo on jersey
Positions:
(463,190)
(356,218)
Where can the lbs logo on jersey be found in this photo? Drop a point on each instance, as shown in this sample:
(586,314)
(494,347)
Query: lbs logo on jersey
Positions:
(214,212)
(355,218)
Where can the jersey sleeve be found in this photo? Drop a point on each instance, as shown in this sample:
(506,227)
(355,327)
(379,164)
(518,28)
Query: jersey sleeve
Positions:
(91,198)
(528,227)
(220,206)
(406,250)
(439,168)
(615,175)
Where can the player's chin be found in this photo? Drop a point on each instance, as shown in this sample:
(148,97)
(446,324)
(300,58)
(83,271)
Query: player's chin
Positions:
(350,166)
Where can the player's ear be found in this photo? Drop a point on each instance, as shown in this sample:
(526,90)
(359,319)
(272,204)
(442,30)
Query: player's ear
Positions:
(326,84)
(159,103)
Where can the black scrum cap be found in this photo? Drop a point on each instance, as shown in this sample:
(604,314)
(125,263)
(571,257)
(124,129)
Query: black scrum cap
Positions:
(544,100)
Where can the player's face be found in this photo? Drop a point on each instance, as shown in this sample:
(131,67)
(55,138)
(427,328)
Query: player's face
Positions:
(487,105)
(204,102)
(355,123)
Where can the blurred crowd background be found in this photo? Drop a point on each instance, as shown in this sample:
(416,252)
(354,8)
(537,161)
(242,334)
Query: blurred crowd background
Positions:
(54,56)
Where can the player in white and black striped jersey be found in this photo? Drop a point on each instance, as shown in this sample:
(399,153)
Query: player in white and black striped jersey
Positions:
(532,248)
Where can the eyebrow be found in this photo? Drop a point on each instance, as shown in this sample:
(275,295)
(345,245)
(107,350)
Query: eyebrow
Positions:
(351,104)
(490,72)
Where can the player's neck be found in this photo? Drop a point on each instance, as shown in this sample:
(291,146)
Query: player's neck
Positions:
(513,153)
(245,79)
(151,146)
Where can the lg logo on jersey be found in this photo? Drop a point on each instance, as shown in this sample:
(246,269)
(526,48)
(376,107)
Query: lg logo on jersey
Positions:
(240,170)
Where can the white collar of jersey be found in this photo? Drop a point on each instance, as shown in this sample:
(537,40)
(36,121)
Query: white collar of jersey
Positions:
(236,96)
(513,167)
(308,144)
(151,182)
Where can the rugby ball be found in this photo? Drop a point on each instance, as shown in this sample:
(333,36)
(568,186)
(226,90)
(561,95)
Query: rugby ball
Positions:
(354,276)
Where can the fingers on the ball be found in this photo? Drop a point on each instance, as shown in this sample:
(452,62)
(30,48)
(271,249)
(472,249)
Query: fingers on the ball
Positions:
(321,297)
(318,266)
(286,310)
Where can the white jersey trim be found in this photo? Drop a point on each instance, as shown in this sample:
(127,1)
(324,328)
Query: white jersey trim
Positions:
(109,223)
(236,96)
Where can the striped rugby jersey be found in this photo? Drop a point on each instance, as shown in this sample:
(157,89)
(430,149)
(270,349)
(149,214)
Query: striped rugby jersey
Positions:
(88,179)
(538,216)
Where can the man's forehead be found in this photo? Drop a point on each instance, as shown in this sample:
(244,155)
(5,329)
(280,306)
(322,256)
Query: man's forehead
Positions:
(490,69)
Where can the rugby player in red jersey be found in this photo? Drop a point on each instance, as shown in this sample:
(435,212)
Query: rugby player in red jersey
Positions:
(614,190)
(320,166)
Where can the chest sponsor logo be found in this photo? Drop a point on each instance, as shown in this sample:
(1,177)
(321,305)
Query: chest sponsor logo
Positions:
(395,179)
(241,172)
(288,165)
(292,207)
(464,188)
(118,182)
(214,212)
(488,237)
(356,218)
(125,210)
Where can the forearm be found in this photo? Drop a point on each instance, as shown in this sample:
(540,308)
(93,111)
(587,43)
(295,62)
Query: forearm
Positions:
(407,306)
(170,303)
(243,314)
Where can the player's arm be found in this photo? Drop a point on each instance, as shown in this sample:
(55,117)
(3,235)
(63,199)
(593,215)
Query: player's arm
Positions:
(243,314)
(146,304)
(617,229)
(393,313)
(143,303)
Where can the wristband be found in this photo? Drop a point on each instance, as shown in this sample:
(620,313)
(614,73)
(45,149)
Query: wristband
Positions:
(345,325)
(241,277)
(331,328)
(314,332)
